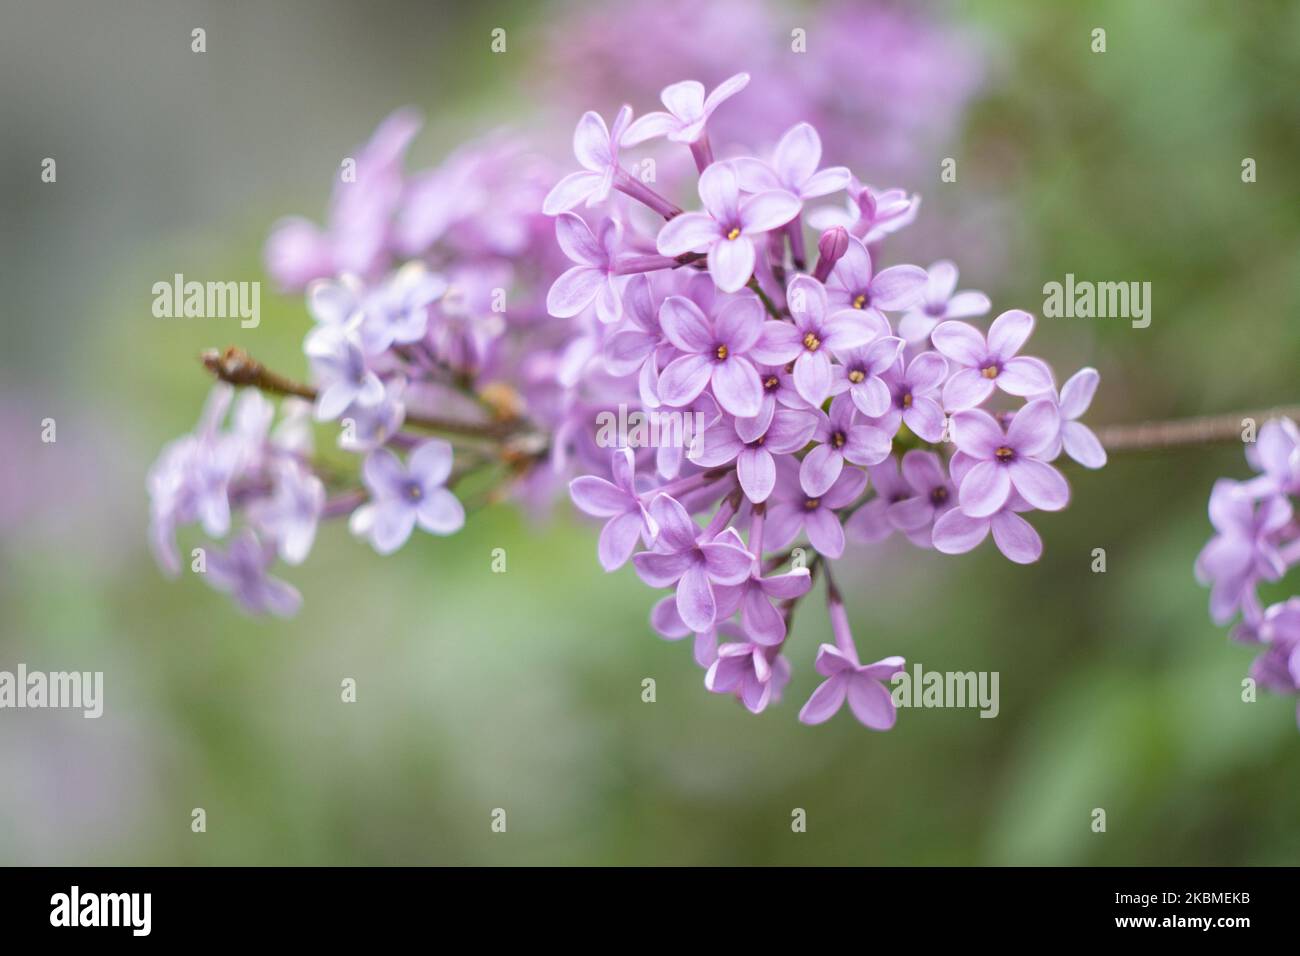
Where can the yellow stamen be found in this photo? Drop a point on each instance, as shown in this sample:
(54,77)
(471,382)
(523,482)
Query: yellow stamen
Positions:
(1003,453)
(722,352)
(811,342)
(860,301)
(735,233)
(990,372)
(857,375)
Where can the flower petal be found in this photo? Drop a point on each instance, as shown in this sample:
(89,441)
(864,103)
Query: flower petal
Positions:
(1038,483)
(1016,538)
(731,263)
(1008,333)
(825,700)
(984,489)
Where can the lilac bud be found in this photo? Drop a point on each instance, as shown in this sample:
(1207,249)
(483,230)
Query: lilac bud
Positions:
(830,249)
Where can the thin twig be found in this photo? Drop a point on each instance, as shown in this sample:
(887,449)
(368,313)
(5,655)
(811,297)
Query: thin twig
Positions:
(1186,431)
(237,367)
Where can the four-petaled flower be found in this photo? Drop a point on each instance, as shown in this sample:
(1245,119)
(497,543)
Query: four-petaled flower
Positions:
(595,146)
(754,672)
(853,283)
(914,393)
(1244,547)
(1077,438)
(940,302)
(984,365)
(714,353)
(841,440)
(405,495)
(619,502)
(593,279)
(1010,460)
(241,570)
(753,446)
(861,684)
(791,509)
(956,532)
(682,556)
(688,111)
(812,338)
(727,229)
(859,373)
(793,167)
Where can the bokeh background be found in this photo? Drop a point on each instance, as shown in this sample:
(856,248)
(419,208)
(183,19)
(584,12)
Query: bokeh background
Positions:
(523,690)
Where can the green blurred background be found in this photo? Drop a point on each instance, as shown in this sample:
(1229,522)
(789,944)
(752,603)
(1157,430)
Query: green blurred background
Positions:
(523,690)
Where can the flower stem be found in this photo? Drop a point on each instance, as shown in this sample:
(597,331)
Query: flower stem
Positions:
(237,367)
(1147,436)
(767,303)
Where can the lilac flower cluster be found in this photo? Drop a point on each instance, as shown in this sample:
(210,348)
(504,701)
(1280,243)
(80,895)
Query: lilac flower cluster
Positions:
(475,323)
(1256,539)
(432,352)
(840,399)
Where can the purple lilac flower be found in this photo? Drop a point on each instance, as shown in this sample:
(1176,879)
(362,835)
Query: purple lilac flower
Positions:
(753,672)
(714,353)
(398,312)
(595,146)
(629,520)
(406,495)
(726,230)
(982,365)
(956,532)
(346,378)
(812,338)
(933,495)
(840,440)
(760,621)
(862,685)
(593,279)
(793,167)
(1278,667)
(241,571)
(914,396)
(1010,460)
(1244,549)
(684,556)
(1276,455)
(1257,539)
(854,285)
(871,522)
(688,108)
(869,215)
(791,509)
(1077,438)
(290,515)
(940,302)
(634,348)
(669,625)
(754,446)
(859,373)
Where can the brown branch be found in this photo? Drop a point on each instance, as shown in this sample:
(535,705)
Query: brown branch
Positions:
(237,367)
(1185,431)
